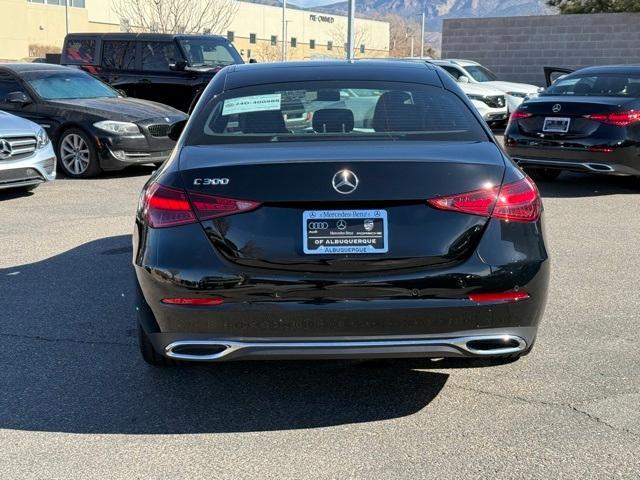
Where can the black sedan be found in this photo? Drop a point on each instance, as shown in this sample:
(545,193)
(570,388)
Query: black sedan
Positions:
(587,121)
(93,127)
(413,236)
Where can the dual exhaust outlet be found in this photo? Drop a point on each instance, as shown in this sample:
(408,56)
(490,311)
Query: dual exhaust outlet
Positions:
(213,350)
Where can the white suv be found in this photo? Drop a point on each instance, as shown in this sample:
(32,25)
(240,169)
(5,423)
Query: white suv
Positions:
(466,71)
(26,155)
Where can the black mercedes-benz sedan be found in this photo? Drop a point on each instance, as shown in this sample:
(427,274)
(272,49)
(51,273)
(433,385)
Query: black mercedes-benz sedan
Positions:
(587,121)
(92,126)
(412,236)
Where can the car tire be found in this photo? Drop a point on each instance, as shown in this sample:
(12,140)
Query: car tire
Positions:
(149,353)
(77,154)
(544,174)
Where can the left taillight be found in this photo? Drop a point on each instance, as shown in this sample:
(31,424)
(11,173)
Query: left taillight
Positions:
(518,201)
(168,207)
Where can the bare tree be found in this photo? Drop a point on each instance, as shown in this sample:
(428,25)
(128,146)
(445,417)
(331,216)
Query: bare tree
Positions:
(266,53)
(176,16)
(361,36)
(401,32)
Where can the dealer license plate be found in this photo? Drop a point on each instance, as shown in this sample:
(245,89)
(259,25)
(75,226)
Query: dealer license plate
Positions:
(345,231)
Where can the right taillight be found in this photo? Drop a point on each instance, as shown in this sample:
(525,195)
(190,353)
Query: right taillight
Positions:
(619,119)
(169,207)
(513,202)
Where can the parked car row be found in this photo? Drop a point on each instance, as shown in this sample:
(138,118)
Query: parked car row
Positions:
(92,126)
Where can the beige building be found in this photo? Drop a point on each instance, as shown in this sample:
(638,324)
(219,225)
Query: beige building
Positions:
(30,28)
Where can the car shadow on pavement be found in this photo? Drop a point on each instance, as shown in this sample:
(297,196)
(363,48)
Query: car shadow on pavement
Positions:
(574,185)
(70,363)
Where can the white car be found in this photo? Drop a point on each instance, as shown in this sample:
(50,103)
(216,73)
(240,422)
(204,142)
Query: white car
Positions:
(27,158)
(467,71)
(490,102)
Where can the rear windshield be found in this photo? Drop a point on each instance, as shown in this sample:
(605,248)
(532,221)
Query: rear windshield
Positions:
(307,111)
(604,84)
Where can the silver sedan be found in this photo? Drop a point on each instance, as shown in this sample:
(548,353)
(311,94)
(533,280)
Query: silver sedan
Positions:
(27,158)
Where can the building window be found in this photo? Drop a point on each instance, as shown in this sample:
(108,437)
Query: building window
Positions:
(312,44)
(252,38)
(362,48)
(230,36)
(274,40)
(71,3)
(329,45)
(294,42)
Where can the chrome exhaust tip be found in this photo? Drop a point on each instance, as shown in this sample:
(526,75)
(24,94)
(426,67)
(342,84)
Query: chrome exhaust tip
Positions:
(494,345)
(599,167)
(203,350)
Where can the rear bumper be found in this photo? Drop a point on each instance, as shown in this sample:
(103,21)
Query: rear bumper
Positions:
(574,154)
(424,312)
(473,344)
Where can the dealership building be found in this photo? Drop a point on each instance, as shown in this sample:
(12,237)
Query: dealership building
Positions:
(32,28)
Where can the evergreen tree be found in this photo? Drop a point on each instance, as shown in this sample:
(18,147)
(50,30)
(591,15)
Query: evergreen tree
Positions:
(595,6)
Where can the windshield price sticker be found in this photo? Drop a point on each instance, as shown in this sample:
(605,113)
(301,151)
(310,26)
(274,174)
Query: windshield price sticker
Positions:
(254,103)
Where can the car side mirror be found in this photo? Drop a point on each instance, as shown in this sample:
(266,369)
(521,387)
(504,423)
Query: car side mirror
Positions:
(176,130)
(20,98)
(463,79)
(179,66)
(253,60)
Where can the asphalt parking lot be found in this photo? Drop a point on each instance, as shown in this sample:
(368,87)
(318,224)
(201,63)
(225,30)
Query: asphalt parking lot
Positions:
(77,401)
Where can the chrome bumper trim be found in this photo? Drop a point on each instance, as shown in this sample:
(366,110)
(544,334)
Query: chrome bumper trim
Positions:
(513,344)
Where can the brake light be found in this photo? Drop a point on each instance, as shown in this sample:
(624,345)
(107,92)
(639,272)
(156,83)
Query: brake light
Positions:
(618,119)
(193,301)
(498,297)
(513,202)
(518,202)
(207,207)
(166,207)
(517,114)
(169,207)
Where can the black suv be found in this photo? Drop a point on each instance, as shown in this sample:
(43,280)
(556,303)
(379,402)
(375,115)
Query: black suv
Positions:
(170,69)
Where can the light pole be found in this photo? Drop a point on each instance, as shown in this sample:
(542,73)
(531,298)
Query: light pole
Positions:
(350,28)
(284,30)
(422,36)
(66,16)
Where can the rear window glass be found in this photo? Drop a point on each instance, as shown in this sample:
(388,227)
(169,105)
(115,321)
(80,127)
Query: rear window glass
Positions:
(303,111)
(605,84)
(118,55)
(80,50)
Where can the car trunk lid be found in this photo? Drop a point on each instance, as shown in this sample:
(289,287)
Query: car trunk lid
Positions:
(294,182)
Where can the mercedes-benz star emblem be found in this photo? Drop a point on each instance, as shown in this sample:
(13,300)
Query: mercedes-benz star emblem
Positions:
(341,224)
(344,182)
(5,149)
(556,108)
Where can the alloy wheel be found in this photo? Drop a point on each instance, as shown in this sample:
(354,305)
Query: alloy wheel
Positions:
(75,154)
